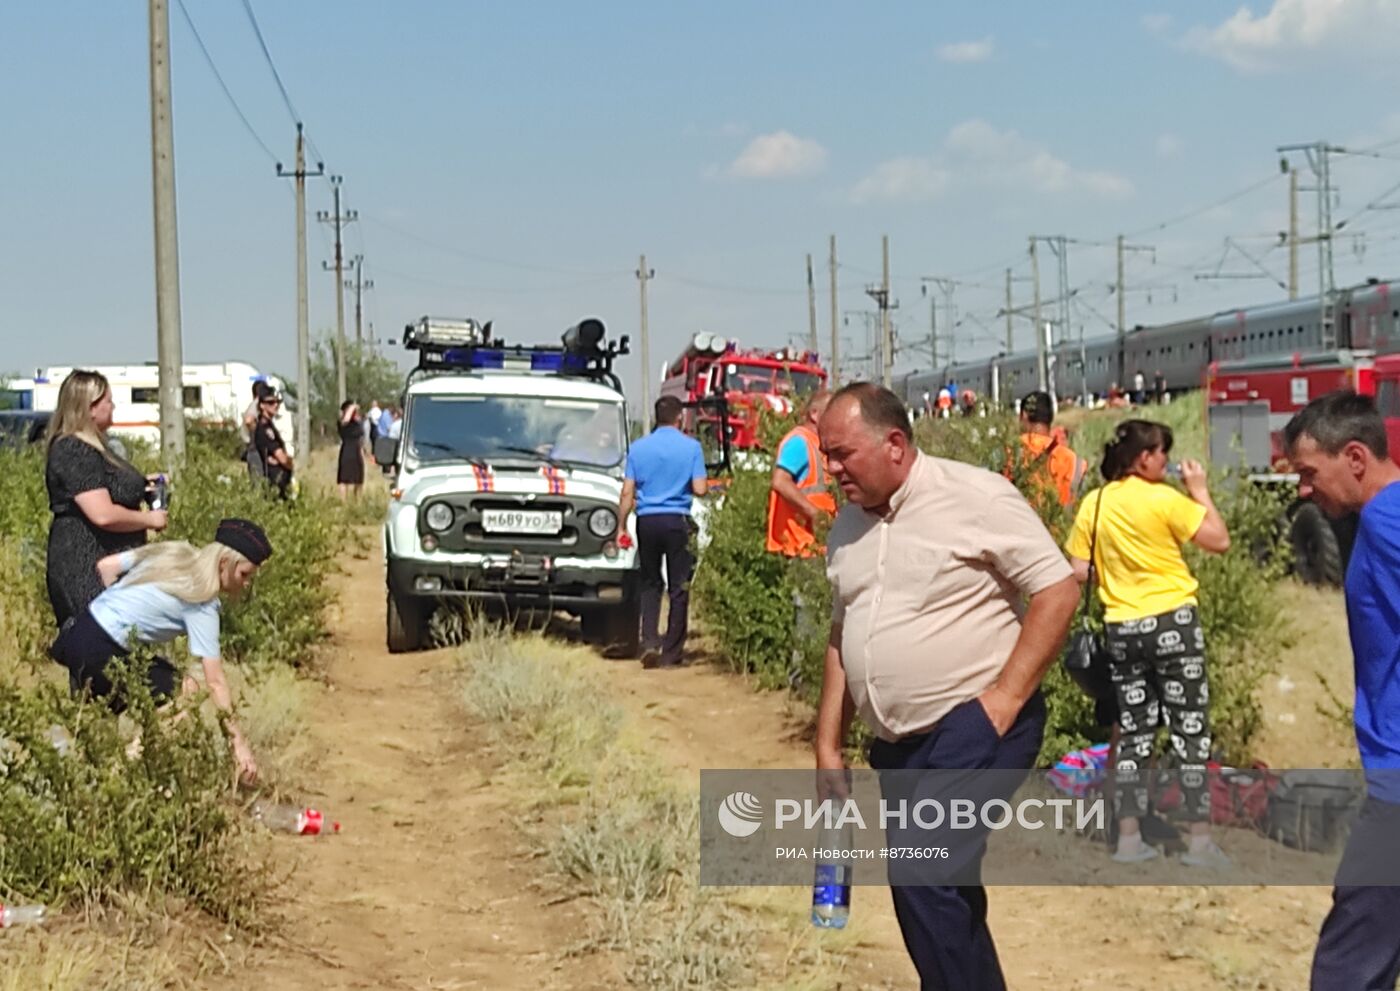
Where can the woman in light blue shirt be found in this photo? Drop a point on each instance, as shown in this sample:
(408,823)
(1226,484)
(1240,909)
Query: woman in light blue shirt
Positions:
(155,594)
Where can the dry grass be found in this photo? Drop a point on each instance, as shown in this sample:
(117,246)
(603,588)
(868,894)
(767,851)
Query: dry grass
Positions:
(619,830)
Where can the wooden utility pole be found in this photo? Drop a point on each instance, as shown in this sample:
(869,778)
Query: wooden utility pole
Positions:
(338,220)
(303,422)
(169,349)
(835,370)
(359,284)
(645,275)
(812,308)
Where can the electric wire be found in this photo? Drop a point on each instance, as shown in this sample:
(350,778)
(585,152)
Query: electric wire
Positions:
(218,76)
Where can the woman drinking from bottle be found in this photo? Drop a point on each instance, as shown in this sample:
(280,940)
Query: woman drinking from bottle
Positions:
(1136,525)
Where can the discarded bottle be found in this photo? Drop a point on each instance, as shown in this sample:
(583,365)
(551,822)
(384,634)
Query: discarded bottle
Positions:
(295,820)
(20,915)
(831,891)
(160,493)
(61,739)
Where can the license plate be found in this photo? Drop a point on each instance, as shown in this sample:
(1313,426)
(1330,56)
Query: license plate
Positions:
(522,520)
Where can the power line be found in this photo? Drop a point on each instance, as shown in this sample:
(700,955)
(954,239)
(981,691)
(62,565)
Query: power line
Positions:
(277,76)
(1272,177)
(209,60)
(488,259)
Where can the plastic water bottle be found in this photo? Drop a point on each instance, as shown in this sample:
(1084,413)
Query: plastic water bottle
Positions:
(20,915)
(831,890)
(61,739)
(295,820)
(160,494)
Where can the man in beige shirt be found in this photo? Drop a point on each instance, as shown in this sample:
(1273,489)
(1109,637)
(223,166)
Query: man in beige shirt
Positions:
(949,602)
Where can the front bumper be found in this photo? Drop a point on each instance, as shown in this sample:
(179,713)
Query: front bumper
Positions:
(519,581)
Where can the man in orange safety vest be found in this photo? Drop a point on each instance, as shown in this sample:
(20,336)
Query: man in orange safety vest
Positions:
(799,494)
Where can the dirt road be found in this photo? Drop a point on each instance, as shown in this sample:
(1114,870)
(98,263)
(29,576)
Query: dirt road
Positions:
(431,886)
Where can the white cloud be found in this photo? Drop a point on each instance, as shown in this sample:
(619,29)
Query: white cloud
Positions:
(1291,28)
(975,153)
(904,180)
(966,51)
(778,155)
(1168,145)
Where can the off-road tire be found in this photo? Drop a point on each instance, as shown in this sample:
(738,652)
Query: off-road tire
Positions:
(405,623)
(617,629)
(1317,554)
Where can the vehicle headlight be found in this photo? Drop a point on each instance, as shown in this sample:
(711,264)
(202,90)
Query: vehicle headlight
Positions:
(603,523)
(439,516)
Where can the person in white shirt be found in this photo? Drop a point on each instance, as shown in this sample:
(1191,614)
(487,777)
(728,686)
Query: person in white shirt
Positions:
(154,594)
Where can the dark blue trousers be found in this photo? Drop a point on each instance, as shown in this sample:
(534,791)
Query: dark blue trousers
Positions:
(1359,947)
(945,926)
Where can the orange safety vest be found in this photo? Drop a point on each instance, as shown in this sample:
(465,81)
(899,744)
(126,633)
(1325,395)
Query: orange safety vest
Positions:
(787,531)
(1061,463)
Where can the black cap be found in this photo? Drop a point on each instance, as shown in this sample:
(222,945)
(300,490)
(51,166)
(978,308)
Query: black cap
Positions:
(246,537)
(1037,407)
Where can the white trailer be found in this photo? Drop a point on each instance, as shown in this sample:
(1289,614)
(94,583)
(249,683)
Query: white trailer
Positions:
(213,393)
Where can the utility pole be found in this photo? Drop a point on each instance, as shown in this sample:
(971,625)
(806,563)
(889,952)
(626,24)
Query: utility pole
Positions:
(812,307)
(1010,338)
(303,424)
(338,220)
(1040,371)
(1292,233)
(1121,291)
(1319,160)
(645,275)
(360,284)
(169,349)
(835,373)
(881,295)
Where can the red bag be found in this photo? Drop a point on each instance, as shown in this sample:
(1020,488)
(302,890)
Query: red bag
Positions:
(1240,796)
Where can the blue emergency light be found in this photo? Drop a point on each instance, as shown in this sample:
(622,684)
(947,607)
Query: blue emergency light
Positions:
(581,350)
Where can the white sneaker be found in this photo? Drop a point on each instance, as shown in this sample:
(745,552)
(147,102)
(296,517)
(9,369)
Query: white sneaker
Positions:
(1141,855)
(1211,857)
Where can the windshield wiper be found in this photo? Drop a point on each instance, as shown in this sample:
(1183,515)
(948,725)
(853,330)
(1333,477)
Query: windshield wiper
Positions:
(433,445)
(531,452)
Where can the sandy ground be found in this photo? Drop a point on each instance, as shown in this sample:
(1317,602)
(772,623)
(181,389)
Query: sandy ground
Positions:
(431,886)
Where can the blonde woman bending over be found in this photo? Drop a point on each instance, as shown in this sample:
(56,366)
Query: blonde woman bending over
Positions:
(156,594)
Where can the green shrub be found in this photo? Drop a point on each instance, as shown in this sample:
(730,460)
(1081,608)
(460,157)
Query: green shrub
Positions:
(94,824)
(88,823)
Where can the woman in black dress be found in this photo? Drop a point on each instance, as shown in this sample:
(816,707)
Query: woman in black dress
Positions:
(95,496)
(350,472)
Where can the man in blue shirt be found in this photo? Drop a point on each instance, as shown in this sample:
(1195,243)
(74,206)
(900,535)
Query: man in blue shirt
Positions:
(1337,444)
(664,471)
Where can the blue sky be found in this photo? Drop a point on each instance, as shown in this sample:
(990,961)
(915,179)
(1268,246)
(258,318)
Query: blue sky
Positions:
(511,161)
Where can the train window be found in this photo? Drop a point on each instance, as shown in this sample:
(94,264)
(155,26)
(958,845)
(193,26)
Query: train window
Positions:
(1388,398)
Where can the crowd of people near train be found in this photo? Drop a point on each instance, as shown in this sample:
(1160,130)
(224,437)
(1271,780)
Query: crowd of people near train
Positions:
(950,601)
(950,400)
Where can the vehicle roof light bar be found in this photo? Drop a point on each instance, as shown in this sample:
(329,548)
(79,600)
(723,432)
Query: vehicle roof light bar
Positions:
(446,346)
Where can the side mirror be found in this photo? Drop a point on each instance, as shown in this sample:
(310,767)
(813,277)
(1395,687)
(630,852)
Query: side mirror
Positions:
(710,424)
(386,450)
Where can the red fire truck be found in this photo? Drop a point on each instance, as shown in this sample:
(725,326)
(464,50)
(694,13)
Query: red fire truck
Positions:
(1249,403)
(720,381)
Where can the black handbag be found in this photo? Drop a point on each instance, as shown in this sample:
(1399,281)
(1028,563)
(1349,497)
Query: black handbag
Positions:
(1087,659)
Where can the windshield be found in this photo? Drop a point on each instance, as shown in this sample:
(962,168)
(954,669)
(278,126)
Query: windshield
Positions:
(805,382)
(462,428)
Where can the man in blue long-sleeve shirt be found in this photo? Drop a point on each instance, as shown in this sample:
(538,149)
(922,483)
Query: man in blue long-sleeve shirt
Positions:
(1338,447)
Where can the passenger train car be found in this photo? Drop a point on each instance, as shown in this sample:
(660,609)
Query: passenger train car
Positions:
(1367,317)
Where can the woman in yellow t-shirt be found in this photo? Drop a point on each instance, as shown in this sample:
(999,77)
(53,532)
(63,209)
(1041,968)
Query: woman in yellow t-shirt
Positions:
(1152,627)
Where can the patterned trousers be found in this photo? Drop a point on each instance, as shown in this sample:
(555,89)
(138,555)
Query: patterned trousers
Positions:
(1159,676)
